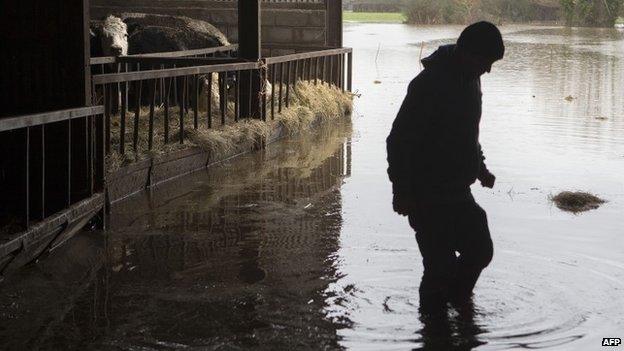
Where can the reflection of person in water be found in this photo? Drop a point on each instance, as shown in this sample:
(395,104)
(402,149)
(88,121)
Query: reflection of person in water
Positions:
(458,332)
(434,157)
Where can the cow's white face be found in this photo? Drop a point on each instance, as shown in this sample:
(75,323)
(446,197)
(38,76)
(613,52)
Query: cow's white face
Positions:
(114,37)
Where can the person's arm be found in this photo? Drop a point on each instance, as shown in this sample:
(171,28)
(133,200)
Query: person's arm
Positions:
(400,141)
(486,178)
(407,132)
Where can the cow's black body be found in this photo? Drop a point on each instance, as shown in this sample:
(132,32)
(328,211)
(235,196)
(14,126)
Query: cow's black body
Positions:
(149,33)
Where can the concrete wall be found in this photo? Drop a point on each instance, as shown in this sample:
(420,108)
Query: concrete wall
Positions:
(288,26)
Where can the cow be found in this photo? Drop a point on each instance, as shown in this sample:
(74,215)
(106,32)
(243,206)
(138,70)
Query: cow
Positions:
(139,33)
(136,33)
(109,37)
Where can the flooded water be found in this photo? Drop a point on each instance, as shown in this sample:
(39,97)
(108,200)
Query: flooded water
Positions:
(556,279)
(297,247)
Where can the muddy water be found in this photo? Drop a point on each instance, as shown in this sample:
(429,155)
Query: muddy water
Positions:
(297,247)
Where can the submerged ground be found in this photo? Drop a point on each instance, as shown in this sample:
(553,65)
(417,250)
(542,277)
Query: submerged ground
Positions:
(298,248)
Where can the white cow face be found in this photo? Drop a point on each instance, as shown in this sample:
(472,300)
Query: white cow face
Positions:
(114,37)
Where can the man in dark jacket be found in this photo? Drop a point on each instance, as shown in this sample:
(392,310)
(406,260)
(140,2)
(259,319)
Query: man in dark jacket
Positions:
(434,157)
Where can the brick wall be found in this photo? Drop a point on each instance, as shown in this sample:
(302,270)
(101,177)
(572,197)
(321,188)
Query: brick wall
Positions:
(287,25)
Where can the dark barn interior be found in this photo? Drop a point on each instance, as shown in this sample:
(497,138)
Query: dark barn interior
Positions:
(57,100)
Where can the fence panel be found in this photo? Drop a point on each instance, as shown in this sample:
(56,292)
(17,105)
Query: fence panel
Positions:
(166,97)
(38,196)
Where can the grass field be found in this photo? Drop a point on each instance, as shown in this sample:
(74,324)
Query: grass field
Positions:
(373,17)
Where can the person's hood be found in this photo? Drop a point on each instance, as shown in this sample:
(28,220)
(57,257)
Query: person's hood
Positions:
(441,57)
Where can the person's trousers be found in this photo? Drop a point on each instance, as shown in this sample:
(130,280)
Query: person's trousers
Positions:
(455,243)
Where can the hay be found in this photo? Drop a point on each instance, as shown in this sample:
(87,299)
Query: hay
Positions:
(309,104)
(576,201)
(314,104)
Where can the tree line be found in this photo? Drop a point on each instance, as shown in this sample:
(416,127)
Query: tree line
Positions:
(592,13)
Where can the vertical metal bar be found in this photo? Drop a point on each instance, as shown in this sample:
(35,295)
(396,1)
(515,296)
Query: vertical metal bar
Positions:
(27,213)
(306,68)
(209,102)
(316,70)
(175,90)
(91,150)
(323,69)
(196,102)
(108,105)
(263,88)
(166,112)
(162,88)
(137,114)
(100,152)
(237,97)
(87,155)
(225,92)
(273,71)
(117,93)
(152,102)
(183,108)
(337,71)
(309,69)
(350,71)
(125,90)
(250,73)
(296,75)
(122,123)
(42,171)
(288,84)
(342,72)
(222,97)
(69,159)
(330,80)
(281,85)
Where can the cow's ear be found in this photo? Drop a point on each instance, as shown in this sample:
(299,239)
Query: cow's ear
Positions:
(95,29)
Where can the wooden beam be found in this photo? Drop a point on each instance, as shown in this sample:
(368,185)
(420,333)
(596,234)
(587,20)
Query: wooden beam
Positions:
(249,48)
(37,119)
(334,23)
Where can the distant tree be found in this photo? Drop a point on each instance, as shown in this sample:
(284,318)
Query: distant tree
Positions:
(591,13)
(466,11)
(428,11)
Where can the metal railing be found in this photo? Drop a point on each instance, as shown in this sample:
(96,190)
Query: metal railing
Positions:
(48,181)
(100,65)
(196,91)
(327,66)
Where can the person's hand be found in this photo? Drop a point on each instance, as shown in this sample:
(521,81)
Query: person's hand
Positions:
(402,205)
(487,179)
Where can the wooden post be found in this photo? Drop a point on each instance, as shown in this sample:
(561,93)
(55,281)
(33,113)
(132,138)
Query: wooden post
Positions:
(249,48)
(334,23)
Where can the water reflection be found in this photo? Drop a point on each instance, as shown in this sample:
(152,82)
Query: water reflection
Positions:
(455,331)
(238,256)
